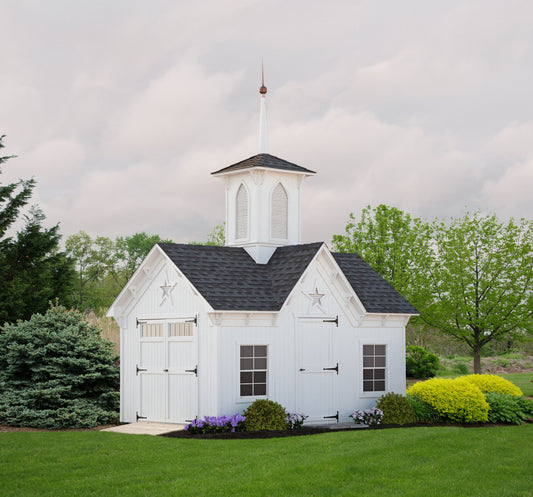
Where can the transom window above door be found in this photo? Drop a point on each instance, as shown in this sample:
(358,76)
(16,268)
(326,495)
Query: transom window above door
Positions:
(176,330)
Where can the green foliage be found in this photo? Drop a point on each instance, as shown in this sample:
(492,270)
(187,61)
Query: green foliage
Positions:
(492,383)
(420,363)
(33,270)
(526,406)
(56,372)
(396,409)
(217,237)
(504,408)
(455,400)
(471,277)
(460,368)
(103,266)
(422,411)
(264,414)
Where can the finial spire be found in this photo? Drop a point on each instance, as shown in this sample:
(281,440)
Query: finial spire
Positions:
(263,134)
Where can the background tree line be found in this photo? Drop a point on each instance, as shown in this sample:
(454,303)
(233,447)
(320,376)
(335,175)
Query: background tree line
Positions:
(470,277)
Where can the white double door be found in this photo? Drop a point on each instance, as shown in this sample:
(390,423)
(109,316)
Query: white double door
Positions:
(318,370)
(168,372)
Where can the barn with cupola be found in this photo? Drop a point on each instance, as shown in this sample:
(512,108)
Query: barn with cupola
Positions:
(207,330)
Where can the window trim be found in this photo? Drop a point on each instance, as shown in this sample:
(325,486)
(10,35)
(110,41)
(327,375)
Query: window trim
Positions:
(242,185)
(272,237)
(247,399)
(373,393)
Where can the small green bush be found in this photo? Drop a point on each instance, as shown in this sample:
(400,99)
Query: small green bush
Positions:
(419,363)
(455,400)
(504,408)
(264,414)
(460,368)
(396,409)
(526,406)
(422,411)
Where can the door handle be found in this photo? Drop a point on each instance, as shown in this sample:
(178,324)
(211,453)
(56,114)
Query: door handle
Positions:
(302,369)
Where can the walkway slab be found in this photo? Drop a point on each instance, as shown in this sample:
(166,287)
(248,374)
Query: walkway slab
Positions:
(146,428)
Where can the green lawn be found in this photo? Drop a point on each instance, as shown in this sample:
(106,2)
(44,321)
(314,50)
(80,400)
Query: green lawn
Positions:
(432,461)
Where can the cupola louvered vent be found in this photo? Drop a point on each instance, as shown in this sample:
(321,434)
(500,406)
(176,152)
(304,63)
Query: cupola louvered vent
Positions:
(280,213)
(241,226)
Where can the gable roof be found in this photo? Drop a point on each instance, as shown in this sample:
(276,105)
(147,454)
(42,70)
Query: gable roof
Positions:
(375,293)
(264,161)
(230,280)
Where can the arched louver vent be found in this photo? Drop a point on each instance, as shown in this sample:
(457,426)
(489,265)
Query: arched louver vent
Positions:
(280,212)
(241,225)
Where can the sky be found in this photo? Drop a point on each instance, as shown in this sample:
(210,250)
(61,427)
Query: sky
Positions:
(121,109)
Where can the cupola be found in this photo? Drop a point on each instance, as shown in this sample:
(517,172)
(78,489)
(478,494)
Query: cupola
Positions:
(263,196)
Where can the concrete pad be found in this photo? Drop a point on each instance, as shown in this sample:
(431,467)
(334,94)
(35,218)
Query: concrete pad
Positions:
(146,428)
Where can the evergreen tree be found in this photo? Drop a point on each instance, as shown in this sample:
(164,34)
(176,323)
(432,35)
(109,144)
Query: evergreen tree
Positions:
(32,269)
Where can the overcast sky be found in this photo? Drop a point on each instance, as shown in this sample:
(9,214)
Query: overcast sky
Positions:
(121,109)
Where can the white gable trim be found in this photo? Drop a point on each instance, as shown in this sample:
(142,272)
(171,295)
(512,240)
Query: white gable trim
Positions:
(139,282)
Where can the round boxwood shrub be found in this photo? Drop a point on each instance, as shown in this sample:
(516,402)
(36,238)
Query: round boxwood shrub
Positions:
(455,400)
(419,363)
(396,409)
(56,371)
(264,414)
(492,383)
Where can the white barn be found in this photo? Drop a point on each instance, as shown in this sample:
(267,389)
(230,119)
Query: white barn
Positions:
(207,330)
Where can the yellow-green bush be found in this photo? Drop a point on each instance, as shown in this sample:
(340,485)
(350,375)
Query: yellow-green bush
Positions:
(455,400)
(491,383)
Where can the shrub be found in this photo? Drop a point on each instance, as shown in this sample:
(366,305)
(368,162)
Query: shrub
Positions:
(264,414)
(492,383)
(56,371)
(370,417)
(455,400)
(420,363)
(504,408)
(526,406)
(422,411)
(396,409)
(219,424)
(295,420)
(460,368)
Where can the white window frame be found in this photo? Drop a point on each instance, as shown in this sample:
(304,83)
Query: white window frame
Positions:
(373,393)
(248,399)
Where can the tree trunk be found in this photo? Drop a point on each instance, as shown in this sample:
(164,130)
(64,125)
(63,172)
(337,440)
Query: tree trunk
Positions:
(477,360)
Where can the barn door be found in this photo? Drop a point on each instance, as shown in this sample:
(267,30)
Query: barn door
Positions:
(318,370)
(167,371)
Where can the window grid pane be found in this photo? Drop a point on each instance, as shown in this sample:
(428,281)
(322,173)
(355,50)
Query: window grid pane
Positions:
(151,330)
(253,374)
(180,330)
(374,368)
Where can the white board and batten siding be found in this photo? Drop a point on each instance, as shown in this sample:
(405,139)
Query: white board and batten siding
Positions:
(314,365)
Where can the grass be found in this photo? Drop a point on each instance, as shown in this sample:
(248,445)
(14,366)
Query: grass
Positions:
(522,381)
(443,461)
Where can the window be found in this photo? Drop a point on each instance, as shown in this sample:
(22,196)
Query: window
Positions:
(181,330)
(374,366)
(253,370)
(280,211)
(152,330)
(241,214)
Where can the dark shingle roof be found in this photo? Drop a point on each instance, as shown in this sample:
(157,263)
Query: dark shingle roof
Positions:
(264,160)
(230,280)
(375,293)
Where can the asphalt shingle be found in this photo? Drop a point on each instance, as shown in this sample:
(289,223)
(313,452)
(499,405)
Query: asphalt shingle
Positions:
(264,160)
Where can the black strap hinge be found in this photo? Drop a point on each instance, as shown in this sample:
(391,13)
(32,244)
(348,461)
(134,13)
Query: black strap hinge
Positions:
(336,416)
(195,370)
(137,417)
(336,321)
(336,368)
(137,369)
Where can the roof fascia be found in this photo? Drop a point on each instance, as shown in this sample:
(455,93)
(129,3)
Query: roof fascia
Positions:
(262,168)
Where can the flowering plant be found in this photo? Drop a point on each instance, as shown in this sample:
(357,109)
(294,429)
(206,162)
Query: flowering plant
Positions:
(295,420)
(372,416)
(216,424)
